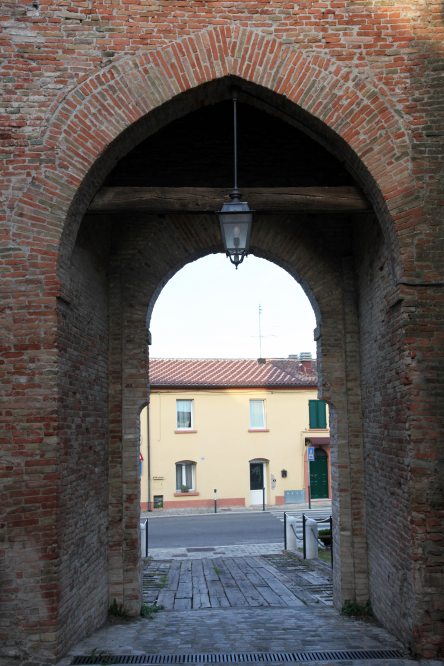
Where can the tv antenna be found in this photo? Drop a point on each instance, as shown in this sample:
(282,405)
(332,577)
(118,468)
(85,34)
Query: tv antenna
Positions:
(260,336)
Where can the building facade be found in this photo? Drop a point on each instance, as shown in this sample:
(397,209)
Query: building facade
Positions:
(235,426)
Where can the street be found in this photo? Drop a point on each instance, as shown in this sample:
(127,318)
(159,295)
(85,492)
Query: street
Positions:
(215,530)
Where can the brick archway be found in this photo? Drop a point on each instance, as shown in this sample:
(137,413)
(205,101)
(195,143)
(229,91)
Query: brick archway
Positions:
(98,122)
(105,115)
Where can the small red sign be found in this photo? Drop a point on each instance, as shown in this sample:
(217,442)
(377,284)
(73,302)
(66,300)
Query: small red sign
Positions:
(141,456)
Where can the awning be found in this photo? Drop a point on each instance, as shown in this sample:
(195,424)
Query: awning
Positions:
(316,441)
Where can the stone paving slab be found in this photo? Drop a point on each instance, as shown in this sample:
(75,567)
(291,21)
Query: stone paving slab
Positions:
(234,582)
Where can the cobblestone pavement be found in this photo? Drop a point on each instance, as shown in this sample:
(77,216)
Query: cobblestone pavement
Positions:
(224,630)
(211,553)
(272,508)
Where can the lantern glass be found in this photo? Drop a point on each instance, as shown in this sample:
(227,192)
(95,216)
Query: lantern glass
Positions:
(235,222)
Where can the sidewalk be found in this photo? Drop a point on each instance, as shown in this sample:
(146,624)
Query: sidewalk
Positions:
(271,508)
(250,549)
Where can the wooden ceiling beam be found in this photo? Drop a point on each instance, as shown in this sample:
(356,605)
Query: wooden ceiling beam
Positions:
(208,199)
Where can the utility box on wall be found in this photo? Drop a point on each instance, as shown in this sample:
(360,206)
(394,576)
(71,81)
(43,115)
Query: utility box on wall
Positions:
(294,496)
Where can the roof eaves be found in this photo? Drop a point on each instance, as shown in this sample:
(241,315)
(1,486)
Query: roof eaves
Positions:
(232,386)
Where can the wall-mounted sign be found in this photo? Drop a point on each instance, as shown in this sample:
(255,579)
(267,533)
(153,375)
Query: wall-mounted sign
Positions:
(311,453)
(273,482)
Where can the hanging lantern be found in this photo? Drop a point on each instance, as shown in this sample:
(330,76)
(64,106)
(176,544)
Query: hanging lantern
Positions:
(235,218)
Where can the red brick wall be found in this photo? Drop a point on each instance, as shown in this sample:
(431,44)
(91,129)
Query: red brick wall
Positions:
(84,83)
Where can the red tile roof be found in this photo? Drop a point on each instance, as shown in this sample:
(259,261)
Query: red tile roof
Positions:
(229,372)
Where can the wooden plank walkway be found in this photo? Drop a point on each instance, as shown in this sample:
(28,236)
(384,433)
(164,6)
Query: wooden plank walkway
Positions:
(226,582)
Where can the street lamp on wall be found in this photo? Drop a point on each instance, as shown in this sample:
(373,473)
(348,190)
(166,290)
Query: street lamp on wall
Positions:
(235,218)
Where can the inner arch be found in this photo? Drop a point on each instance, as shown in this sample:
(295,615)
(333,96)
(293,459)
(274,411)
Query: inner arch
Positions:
(256,251)
(140,141)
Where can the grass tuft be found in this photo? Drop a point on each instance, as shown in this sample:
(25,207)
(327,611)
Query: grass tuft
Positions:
(148,611)
(118,611)
(104,657)
(163,582)
(353,609)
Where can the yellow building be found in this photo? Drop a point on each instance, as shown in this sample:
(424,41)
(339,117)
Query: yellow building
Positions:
(236,426)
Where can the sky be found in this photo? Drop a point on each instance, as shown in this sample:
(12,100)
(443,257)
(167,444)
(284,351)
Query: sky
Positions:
(210,310)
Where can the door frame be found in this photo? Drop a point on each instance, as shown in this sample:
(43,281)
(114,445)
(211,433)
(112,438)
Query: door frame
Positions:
(264,474)
(326,448)
(323,460)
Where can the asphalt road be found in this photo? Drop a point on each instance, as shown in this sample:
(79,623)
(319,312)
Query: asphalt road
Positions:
(215,530)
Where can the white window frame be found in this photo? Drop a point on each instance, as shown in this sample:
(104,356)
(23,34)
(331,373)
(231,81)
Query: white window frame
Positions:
(263,427)
(192,414)
(184,475)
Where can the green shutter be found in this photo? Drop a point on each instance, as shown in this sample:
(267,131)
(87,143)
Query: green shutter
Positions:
(322,414)
(312,411)
(317,414)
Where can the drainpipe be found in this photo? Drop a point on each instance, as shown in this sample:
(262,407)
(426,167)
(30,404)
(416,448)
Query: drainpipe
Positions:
(149,457)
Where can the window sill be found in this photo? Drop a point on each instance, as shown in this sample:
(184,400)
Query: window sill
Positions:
(317,430)
(191,492)
(259,430)
(184,432)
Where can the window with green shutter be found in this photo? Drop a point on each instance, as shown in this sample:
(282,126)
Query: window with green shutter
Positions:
(317,414)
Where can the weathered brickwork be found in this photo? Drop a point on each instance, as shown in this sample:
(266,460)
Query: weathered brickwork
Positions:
(387,449)
(82,521)
(84,83)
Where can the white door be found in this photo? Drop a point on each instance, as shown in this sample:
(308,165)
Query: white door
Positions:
(257,483)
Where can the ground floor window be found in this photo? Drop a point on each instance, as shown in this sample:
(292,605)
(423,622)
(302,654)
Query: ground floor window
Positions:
(185,476)
(158,501)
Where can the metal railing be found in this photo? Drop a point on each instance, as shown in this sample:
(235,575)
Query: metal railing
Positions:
(328,520)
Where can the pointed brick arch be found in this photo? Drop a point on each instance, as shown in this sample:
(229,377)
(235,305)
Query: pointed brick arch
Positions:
(110,101)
